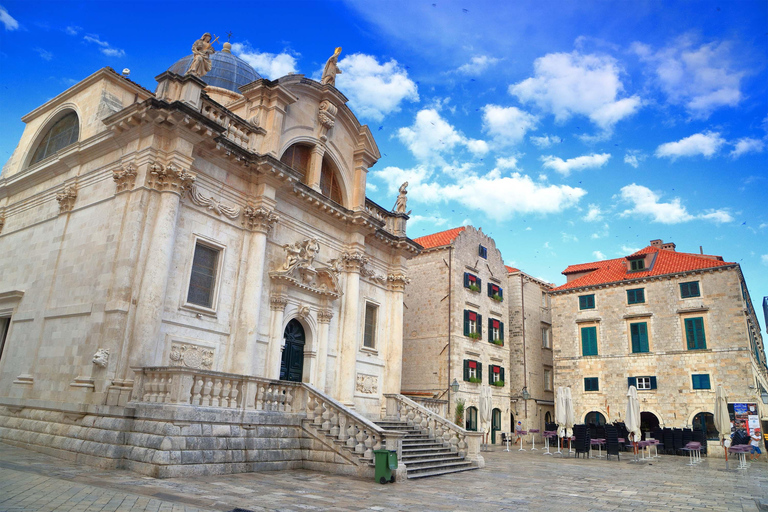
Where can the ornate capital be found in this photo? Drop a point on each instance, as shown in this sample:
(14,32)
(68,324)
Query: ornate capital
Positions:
(259,219)
(326,114)
(277,303)
(125,178)
(397,282)
(66,198)
(169,178)
(324,316)
(354,261)
(212,204)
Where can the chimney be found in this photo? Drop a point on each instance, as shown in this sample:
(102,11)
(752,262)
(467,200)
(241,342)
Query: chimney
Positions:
(701,250)
(656,243)
(669,246)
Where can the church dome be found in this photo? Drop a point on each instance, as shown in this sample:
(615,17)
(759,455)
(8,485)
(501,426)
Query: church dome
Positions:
(228,71)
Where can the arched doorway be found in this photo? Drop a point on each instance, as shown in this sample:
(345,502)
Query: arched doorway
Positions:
(471,422)
(594,418)
(495,424)
(547,418)
(705,422)
(292,362)
(648,422)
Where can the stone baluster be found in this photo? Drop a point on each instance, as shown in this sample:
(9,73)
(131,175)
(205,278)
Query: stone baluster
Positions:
(226,389)
(360,440)
(326,417)
(289,399)
(368,444)
(334,423)
(352,435)
(216,393)
(207,391)
(260,398)
(197,398)
(342,427)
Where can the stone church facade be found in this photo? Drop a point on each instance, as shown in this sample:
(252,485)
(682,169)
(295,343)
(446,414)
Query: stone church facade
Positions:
(208,244)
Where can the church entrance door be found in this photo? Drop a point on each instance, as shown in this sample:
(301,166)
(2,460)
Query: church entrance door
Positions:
(292,362)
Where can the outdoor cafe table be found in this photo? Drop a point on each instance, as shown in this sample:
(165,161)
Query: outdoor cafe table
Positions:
(548,434)
(521,434)
(533,433)
(599,443)
(741,450)
(694,452)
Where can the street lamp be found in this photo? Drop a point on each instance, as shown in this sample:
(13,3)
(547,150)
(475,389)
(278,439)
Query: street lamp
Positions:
(455,386)
(526,394)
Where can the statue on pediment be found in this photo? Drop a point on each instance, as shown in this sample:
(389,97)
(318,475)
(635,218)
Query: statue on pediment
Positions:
(331,69)
(202,50)
(401,198)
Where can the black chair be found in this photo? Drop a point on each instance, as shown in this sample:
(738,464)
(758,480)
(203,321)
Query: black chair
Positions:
(621,429)
(701,437)
(583,440)
(668,444)
(658,434)
(687,436)
(552,427)
(611,442)
(677,441)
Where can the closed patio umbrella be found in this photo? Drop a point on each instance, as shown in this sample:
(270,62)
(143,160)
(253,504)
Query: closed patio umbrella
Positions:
(486,402)
(632,420)
(722,419)
(570,415)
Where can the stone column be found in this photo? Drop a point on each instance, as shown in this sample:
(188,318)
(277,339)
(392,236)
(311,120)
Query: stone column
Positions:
(324,317)
(171,182)
(315,167)
(393,370)
(260,221)
(353,261)
(277,304)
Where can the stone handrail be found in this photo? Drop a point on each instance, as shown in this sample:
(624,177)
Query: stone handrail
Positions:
(437,406)
(237,131)
(467,444)
(188,386)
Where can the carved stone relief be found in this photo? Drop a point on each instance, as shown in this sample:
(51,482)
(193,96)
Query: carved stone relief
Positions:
(125,178)
(278,303)
(259,219)
(367,272)
(324,316)
(191,356)
(66,198)
(368,384)
(326,114)
(101,357)
(398,281)
(300,269)
(169,177)
(303,311)
(212,204)
(354,261)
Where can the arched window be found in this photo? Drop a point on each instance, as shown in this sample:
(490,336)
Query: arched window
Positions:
(63,133)
(594,418)
(329,181)
(705,422)
(548,417)
(298,157)
(471,423)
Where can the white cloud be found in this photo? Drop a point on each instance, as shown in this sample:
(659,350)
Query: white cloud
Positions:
(269,65)
(705,144)
(646,203)
(431,136)
(529,228)
(545,141)
(763,225)
(625,249)
(374,90)
(579,163)
(7,20)
(431,220)
(567,237)
(44,54)
(747,145)
(73,30)
(509,162)
(701,78)
(477,65)
(599,255)
(594,214)
(764,259)
(507,125)
(567,84)
(105,47)
(633,157)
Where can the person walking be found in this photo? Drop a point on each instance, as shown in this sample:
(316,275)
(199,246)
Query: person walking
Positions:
(754,445)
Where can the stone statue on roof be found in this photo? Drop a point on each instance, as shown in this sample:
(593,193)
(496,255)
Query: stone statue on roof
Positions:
(401,198)
(202,50)
(331,69)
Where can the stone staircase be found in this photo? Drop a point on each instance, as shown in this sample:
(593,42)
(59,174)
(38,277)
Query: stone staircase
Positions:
(423,455)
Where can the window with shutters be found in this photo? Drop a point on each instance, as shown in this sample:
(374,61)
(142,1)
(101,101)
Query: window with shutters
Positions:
(495,292)
(471,421)
(371,320)
(591,384)
(637,264)
(206,264)
(688,290)
(644,383)
(701,381)
(495,375)
(472,282)
(473,324)
(636,296)
(587,301)
(589,341)
(694,333)
(638,332)
(496,331)
(473,371)
(482,252)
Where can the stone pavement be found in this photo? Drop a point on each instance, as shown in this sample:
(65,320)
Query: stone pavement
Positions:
(514,480)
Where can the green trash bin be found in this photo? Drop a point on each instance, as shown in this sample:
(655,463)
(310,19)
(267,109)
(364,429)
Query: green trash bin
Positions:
(385,462)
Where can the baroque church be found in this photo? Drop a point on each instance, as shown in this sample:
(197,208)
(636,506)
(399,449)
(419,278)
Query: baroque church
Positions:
(193,280)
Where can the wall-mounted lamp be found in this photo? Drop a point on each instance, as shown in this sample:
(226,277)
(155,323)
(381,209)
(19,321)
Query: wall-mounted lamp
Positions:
(455,386)
(526,394)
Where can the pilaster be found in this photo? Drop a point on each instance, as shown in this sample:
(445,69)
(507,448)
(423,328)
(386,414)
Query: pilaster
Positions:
(277,305)
(353,261)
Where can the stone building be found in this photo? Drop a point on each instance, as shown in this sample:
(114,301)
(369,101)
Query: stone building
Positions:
(676,325)
(193,280)
(532,371)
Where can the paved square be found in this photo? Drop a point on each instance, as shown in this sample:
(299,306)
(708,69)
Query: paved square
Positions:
(30,481)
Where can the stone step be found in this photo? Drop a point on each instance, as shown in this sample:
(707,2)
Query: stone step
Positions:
(414,451)
(414,464)
(422,444)
(430,453)
(439,472)
(439,467)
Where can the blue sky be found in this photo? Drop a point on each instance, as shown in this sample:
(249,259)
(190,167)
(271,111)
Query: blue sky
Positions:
(569,131)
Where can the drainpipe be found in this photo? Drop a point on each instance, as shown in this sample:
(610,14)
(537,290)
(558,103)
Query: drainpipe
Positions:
(450,326)
(525,359)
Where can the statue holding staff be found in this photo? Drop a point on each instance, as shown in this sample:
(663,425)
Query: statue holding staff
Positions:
(202,50)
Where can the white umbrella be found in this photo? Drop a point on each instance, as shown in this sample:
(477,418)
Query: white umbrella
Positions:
(722,419)
(486,403)
(560,412)
(632,420)
(570,416)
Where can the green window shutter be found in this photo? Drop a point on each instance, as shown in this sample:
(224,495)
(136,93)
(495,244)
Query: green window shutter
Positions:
(639,335)
(502,376)
(501,292)
(705,381)
(466,279)
(466,369)
(490,326)
(466,323)
(589,341)
(490,290)
(479,283)
(490,374)
(694,333)
(479,371)
(501,331)
(653,382)
(480,326)
(631,381)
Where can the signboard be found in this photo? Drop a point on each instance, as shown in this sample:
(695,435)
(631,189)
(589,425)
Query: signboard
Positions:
(745,417)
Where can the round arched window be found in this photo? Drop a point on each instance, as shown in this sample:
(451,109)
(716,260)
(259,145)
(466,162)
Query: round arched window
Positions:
(63,133)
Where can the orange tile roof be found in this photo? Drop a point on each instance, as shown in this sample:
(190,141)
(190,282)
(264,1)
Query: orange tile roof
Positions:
(512,269)
(615,270)
(439,239)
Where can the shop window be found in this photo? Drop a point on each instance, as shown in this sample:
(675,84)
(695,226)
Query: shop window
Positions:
(639,334)
(471,422)
(473,324)
(371,318)
(496,331)
(472,282)
(701,381)
(636,296)
(473,371)
(63,133)
(587,301)
(202,281)
(694,333)
(591,384)
(688,290)
(589,341)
